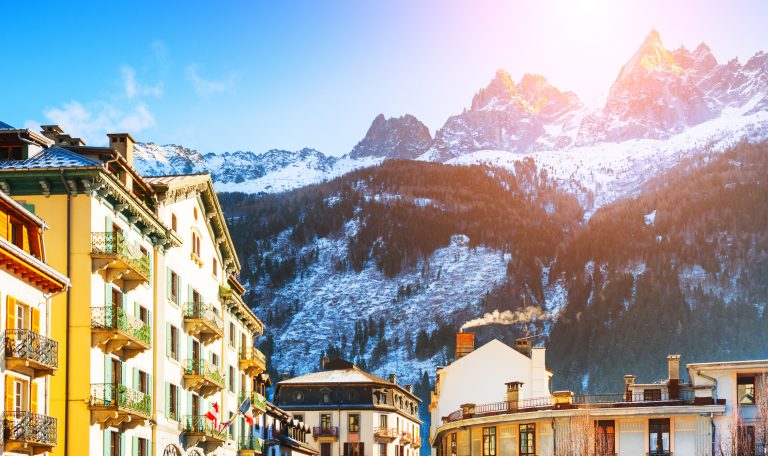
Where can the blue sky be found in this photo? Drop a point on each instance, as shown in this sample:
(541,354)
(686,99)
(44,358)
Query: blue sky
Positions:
(256,75)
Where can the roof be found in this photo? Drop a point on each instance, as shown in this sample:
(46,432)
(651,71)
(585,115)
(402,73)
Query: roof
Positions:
(52,157)
(23,210)
(5,126)
(746,364)
(176,180)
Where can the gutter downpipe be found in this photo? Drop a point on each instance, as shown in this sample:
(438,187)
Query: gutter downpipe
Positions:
(66,324)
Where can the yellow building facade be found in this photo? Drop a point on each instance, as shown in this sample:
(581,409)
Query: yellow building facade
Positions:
(143,332)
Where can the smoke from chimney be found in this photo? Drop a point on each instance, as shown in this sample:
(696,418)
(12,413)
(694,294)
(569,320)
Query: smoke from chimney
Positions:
(509,317)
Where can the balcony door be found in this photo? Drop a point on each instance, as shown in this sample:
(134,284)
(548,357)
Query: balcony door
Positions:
(195,405)
(117,372)
(195,350)
(325,423)
(658,433)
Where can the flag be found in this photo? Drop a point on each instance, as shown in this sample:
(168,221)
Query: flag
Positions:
(247,410)
(213,414)
(227,423)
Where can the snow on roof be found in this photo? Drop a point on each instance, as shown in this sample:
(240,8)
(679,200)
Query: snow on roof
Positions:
(52,157)
(350,375)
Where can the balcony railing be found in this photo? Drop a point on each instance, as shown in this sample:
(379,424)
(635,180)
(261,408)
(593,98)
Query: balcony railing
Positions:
(416,442)
(254,444)
(384,433)
(325,431)
(31,352)
(113,244)
(252,361)
(202,320)
(610,400)
(258,401)
(200,425)
(24,429)
(115,317)
(202,368)
(406,437)
(121,398)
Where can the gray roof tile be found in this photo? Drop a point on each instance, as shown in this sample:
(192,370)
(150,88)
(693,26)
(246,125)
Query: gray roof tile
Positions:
(52,157)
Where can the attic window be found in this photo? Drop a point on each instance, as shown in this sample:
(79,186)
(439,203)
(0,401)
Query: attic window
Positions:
(11,153)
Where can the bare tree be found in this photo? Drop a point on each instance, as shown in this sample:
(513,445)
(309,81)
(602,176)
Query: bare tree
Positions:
(578,437)
(761,423)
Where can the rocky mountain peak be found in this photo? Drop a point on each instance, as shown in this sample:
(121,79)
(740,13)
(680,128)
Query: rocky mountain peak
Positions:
(403,137)
(499,93)
(650,57)
(545,99)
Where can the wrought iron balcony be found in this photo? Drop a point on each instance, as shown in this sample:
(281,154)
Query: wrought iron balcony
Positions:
(248,446)
(119,260)
(30,353)
(325,433)
(202,377)
(116,331)
(26,430)
(199,429)
(114,404)
(258,401)
(406,437)
(385,434)
(202,321)
(416,442)
(252,361)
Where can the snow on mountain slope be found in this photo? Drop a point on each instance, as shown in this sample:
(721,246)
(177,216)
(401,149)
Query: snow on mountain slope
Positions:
(456,276)
(602,173)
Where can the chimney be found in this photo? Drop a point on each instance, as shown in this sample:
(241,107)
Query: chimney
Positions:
(123,144)
(513,394)
(465,344)
(409,388)
(523,346)
(393,378)
(629,380)
(51,132)
(323,362)
(673,364)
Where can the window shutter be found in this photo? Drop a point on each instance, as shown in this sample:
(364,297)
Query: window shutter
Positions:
(122,444)
(107,295)
(125,303)
(190,295)
(4,225)
(135,446)
(107,443)
(168,283)
(10,313)
(189,403)
(35,320)
(189,347)
(9,379)
(178,290)
(107,369)
(33,398)
(167,399)
(25,239)
(151,389)
(122,373)
(136,381)
(168,348)
(108,225)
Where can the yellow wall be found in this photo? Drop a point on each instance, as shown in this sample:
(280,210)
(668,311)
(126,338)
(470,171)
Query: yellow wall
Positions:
(53,210)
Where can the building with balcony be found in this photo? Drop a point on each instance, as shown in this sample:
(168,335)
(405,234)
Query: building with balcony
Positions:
(695,417)
(154,330)
(31,356)
(353,412)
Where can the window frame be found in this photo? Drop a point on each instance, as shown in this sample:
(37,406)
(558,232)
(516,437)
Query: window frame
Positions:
(608,438)
(489,441)
(743,381)
(659,427)
(353,423)
(529,431)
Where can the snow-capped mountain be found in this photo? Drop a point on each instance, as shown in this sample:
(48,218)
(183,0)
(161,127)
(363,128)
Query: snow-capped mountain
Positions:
(397,137)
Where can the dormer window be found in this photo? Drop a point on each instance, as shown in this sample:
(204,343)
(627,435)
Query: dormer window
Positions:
(11,152)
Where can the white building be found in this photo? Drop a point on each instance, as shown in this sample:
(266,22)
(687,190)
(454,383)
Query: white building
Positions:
(352,412)
(481,375)
(30,355)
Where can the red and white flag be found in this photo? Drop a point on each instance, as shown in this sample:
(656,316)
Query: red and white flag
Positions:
(213,414)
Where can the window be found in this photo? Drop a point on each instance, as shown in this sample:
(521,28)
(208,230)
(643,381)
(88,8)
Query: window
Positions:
(144,315)
(143,447)
(527,439)
(174,288)
(215,359)
(382,449)
(215,267)
(605,437)
(652,395)
(232,334)
(746,441)
(354,423)
(174,343)
(173,404)
(383,421)
(114,443)
(326,397)
(298,417)
(454,445)
(353,449)
(746,389)
(194,213)
(143,385)
(232,379)
(325,449)
(325,422)
(11,153)
(658,434)
(489,441)
(195,244)
(174,223)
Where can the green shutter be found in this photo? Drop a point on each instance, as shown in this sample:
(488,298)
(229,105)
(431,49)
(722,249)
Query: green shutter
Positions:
(107,294)
(125,303)
(151,388)
(167,399)
(122,373)
(189,347)
(189,403)
(168,287)
(168,348)
(189,293)
(135,446)
(122,443)
(107,369)
(178,290)
(108,225)
(136,380)
(107,443)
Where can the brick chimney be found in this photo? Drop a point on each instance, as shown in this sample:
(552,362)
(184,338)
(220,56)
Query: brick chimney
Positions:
(673,365)
(523,346)
(409,388)
(51,132)
(393,378)
(629,380)
(123,144)
(465,344)
(513,394)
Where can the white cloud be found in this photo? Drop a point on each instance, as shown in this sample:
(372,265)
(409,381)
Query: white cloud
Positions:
(92,121)
(207,87)
(134,88)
